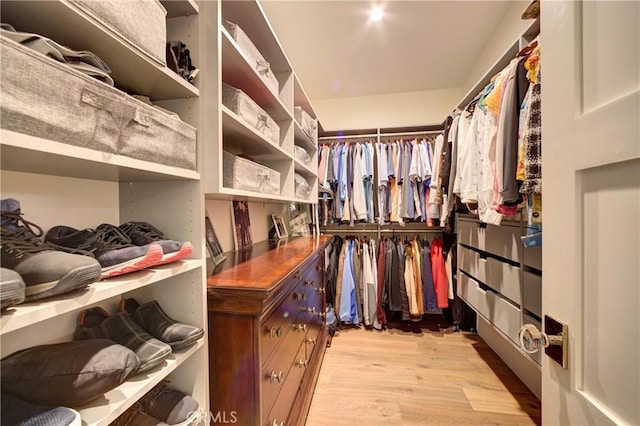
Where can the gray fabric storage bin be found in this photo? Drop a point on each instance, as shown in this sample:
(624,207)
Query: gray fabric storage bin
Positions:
(45,98)
(240,173)
(301,155)
(240,103)
(309,125)
(253,56)
(140,23)
(303,189)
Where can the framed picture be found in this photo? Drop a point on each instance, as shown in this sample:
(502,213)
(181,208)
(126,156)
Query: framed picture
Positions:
(241,224)
(278,224)
(213,245)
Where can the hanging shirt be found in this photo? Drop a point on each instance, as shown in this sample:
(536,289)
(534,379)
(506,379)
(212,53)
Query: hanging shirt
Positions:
(440,280)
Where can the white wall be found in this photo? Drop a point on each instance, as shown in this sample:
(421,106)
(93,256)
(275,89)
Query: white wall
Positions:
(259,216)
(420,108)
(394,110)
(510,28)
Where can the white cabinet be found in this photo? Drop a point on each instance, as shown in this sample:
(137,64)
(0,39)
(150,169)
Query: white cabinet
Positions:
(496,281)
(60,184)
(227,131)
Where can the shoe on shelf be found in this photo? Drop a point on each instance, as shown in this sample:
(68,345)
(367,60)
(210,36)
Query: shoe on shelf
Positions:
(170,405)
(134,416)
(142,233)
(11,288)
(109,245)
(45,271)
(154,320)
(16,412)
(96,323)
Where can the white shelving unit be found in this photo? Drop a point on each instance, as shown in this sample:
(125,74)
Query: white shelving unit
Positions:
(236,136)
(62,184)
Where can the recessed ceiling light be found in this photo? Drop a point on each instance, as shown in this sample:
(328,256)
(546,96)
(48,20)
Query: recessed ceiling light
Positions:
(376,14)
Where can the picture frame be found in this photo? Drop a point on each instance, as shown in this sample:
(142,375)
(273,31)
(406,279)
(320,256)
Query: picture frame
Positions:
(213,244)
(279,226)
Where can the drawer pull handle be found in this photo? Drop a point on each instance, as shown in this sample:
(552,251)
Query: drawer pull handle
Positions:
(322,315)
(311,340)
(302,363)
(320,289)
(275,332)
(275,423)
(277,377)
(299,296)
(309,309)
(298,275)
(310,283)
(318,268)
(300,327)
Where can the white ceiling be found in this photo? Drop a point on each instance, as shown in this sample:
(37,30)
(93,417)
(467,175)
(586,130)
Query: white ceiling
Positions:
(419,45)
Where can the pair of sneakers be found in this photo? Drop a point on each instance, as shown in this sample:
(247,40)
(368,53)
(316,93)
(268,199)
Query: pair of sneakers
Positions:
(161,406)
(16,412)
(144,328)
(42,270)
(128,248)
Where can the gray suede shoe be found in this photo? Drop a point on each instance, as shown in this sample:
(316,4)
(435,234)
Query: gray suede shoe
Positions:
(96,323)
(153,319)
(170,405)
(135,416)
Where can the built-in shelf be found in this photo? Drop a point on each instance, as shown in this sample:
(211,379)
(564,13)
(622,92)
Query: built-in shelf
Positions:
(105,410)
(247,139)
(238,72)
(132,70)
(176,8)
(26,314)
(25,153)
(302,139)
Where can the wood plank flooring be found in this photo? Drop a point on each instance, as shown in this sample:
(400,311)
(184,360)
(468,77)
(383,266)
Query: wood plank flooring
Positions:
(417,374)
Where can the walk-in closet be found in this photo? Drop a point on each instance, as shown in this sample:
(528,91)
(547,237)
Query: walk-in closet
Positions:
(290,213)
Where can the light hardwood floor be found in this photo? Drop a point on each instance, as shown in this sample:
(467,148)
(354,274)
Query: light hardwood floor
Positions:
(418,374)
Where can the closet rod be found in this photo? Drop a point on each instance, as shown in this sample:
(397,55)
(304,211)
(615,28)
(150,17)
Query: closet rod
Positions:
(426,133)
(339,138)
(434,230)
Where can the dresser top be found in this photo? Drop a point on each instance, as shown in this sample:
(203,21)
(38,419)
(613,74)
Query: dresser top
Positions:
(263,266)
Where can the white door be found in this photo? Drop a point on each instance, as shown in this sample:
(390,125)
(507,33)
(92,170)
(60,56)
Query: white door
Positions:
(591,208)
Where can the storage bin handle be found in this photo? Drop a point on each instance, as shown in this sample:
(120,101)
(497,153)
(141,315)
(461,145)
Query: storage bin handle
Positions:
(263,67)
(102,102)
(263,121)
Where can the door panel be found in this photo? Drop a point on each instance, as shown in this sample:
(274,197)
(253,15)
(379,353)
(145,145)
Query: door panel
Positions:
(591,208)
(610,206)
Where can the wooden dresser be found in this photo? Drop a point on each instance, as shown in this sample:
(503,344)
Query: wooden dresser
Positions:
(267,333)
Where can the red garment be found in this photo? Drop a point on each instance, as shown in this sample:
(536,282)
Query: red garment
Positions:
(439,272)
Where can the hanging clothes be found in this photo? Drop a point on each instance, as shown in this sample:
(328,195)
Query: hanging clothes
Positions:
(440,279)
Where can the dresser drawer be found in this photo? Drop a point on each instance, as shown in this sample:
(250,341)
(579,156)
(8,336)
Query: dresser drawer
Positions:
(533,293)
(275,328)
(504,241)
(533,257)
(504,278)
(470,290)
(283,403)
(471,234)
(276,370)
(470,262)
(504,315)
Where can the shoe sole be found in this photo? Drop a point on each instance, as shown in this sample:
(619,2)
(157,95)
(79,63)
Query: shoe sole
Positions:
(11,293)
(177,346)
(185,250)
(151,258)
(75,279)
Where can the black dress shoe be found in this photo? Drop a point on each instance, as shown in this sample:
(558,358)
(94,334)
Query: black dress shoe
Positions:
(123,329)
(153,319)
